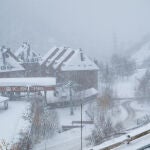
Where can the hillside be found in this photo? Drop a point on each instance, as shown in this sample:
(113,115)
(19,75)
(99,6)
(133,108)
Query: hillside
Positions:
(142,55)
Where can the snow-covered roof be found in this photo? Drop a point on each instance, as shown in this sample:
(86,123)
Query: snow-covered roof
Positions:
(47,55)
(62,58)
(142,54)
(26,55)
(55,56)
(36,81)
(67,59)
(7,62)
(76,63)
(2,99)
(87,93)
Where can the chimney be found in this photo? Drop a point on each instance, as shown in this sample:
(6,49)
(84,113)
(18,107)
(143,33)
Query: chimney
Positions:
(81,55)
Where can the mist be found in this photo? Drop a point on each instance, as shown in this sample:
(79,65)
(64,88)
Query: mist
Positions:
(93,25)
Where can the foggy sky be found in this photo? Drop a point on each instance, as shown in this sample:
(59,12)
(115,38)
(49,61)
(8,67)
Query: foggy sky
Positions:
(93,25)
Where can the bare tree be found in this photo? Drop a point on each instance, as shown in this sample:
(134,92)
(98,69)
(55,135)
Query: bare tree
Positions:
(44,121)
(105,100)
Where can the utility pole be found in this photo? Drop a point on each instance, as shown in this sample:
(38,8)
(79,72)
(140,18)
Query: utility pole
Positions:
(81,126)
(71,104)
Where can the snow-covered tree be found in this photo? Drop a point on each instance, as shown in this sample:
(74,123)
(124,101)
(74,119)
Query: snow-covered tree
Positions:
(44,121)
(122,66)
(143,88)
(106,73)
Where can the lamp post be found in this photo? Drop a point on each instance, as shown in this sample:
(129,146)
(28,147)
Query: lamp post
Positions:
(81,125)
(81,98)
(71,104)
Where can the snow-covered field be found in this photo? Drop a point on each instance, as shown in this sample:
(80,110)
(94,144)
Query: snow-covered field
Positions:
(71,139)
(12,122)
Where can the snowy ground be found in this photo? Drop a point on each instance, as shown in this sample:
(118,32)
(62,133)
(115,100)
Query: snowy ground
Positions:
(127,112)
(71,139)
(11,121)
(131,110)
(135,111)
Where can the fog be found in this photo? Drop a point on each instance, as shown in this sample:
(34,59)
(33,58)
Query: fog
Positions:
(100,27)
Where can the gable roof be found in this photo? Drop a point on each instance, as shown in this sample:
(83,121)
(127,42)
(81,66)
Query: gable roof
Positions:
(66,59)
(8,62)
(56,56)
(48,55)
(79,61)
(26,55)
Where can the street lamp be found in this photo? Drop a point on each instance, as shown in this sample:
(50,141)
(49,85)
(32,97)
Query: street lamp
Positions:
(71,104)
(81,124)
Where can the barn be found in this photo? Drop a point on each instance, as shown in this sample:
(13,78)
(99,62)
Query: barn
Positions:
(68,64)
(9,65)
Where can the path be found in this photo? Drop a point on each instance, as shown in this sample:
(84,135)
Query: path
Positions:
(130,111)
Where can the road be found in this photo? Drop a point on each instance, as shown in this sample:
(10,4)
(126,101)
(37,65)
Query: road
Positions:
(130,111)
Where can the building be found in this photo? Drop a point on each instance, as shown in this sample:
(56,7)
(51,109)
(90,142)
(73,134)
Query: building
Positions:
(9,65)
(13,87)
(29,60)
(70,65)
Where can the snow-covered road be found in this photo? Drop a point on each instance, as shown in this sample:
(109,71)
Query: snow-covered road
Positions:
(131,114)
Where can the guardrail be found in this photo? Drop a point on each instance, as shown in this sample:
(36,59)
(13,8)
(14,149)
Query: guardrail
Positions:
(83,122)
(132,138)
(69,127)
